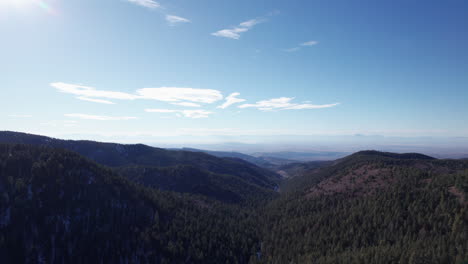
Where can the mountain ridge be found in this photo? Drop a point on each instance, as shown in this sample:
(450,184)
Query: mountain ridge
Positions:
(120,156)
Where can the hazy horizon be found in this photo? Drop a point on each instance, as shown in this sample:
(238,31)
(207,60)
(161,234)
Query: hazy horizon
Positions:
(311,145)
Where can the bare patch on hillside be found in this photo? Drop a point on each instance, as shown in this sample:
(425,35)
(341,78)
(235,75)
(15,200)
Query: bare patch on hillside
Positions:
(366,180)
(459,194)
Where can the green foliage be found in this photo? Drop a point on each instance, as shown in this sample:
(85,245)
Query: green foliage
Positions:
(119,155)
(59,207)
(189,179)
(416,218)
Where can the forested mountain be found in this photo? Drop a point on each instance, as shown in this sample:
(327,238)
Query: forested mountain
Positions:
(58,207)
(189,179)
(371,207)
(176,170)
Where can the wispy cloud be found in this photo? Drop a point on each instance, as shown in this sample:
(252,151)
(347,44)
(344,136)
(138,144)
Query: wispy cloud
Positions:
(186,113)
(100,118)
(304,44)
(187,104)
(166,94)
(187,97)
(90,92)
(174,20)
(196,113)
(175,94)
(230,100)
(284,103)
(310,43)
(94,100)
(146,3)
(235,32)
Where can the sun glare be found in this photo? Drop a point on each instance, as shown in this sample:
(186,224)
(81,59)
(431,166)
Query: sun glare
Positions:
(26,4)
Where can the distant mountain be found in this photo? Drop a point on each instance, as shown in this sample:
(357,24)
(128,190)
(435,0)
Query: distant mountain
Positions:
(371,207)
(261,162)
(301,156)
(58,207)
(373,153)
(149,159)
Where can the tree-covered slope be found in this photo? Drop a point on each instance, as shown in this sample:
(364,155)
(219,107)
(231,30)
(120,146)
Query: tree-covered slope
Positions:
(119,155)
(372,208)
(58,207)
(189,179)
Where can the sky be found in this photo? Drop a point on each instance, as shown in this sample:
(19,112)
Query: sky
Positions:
(182,69)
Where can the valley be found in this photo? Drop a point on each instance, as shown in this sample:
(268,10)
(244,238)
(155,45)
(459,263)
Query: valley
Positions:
(138,204)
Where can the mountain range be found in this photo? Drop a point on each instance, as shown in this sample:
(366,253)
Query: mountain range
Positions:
(90,202)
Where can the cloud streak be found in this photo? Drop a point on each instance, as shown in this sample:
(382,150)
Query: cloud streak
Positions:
(284,103)
(310,43)
(165,94)
(99,101)
(187,113)
(90,92)
(230,100)
(304,44)
(146,3)
(100,118)
(235,32)
(187,104)
(175,94)
(174,20)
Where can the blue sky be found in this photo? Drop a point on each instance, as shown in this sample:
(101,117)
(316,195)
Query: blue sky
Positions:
(128,68)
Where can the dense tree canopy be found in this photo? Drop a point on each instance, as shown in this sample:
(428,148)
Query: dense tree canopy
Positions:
(371,207)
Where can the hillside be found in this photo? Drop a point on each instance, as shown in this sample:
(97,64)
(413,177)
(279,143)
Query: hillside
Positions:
(363,160)
(369,207)
(372,207)
(125,158)
(58,207)
(189,179)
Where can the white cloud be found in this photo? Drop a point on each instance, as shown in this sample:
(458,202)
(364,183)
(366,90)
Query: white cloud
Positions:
(146,3)
(175,94)
(187,104)
(251,23)
(173,20)
(230,100)
(186,113)
(310,43)
(283,103)
(90,92)
(161,111)
(305,44)
(196,113)
(100,118)
(166,94)
(94,100)
(235,32)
